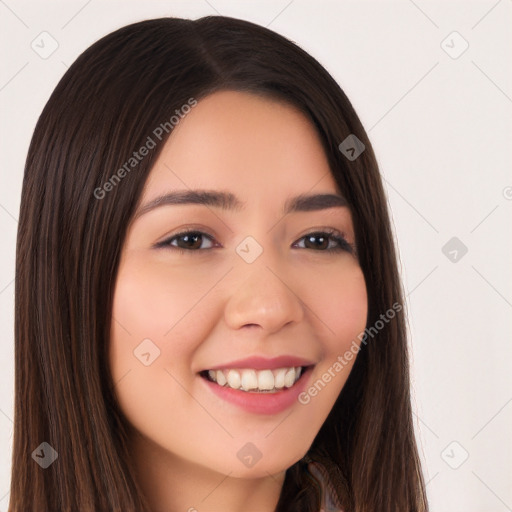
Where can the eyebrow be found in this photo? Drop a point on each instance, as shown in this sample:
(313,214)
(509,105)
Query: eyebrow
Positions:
(228,201)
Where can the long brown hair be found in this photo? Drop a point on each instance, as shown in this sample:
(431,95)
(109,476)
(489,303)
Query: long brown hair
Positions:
(68,247)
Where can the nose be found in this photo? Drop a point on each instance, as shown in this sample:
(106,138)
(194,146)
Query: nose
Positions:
(263,297)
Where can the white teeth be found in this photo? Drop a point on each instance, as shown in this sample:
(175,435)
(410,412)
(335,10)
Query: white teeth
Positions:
(249,380)
(289,378)
(257,380)
(220,378)
(266,380)
(233,379)
(279,378)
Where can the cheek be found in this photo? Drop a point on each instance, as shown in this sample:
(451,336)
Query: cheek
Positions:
(154,335)
(153,302)
(159,316)
(342,305)
(145,300)
(349,318)
(339,300)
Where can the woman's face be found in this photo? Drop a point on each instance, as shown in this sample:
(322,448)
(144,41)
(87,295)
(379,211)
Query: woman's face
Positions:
(250,282)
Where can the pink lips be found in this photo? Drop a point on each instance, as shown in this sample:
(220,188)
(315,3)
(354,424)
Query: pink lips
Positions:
(258,402)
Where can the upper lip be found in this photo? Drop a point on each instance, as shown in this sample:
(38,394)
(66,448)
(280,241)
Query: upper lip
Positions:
(263,363)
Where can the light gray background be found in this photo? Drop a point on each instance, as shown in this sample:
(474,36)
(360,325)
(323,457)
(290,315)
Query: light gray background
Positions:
(441,128)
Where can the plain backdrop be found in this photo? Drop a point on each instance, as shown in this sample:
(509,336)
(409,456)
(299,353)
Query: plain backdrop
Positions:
(432,84)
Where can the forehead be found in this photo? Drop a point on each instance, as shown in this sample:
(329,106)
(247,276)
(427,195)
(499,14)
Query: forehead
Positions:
(255,146)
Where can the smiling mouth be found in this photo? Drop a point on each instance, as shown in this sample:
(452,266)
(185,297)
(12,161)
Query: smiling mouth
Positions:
(256,381)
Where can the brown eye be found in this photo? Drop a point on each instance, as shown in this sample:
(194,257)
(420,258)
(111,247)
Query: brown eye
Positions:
(327,242)
(188,240)
(316,241)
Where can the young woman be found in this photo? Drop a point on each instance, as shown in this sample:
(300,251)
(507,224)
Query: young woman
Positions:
(208,309)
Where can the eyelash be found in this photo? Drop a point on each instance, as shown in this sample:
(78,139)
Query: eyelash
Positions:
(333,234)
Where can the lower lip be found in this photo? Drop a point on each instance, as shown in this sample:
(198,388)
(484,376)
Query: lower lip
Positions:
(262,403)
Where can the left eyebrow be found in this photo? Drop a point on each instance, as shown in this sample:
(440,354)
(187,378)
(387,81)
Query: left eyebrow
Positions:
(228,201)
(315,202)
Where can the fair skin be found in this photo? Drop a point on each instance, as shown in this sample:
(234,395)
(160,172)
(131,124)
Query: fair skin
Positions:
(208,306)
